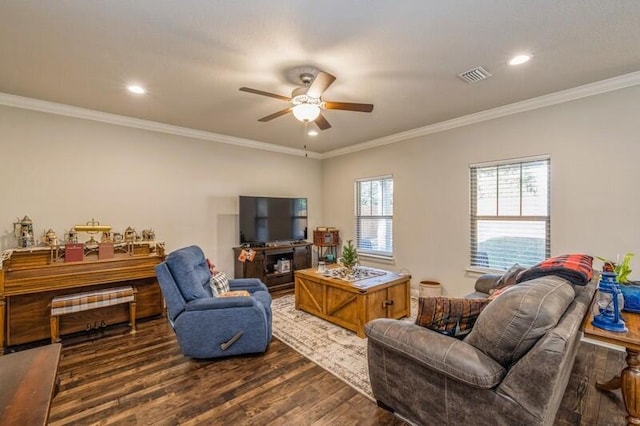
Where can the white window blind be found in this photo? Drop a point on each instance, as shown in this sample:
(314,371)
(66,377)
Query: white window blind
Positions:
(374,216)
(510,219)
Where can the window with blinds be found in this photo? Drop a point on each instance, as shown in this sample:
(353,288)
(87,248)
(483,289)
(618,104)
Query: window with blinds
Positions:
(374,216)
(510,216)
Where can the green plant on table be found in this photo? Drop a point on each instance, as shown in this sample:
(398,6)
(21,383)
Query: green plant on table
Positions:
(349,255)
(621,269)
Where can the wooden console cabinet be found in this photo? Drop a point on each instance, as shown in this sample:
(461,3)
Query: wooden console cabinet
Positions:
(30,279)
(264,264)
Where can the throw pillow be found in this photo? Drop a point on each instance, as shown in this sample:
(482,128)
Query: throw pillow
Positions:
(449,316)
(219,284)
(510,276)
(498,291)
(516,320)
(575,268)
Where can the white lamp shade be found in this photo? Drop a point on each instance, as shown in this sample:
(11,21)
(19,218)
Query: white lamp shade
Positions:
(306,112)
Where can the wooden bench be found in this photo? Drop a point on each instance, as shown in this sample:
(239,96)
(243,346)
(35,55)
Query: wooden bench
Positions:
(78,302)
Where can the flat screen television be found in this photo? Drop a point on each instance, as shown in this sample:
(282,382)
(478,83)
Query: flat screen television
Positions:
(270,219)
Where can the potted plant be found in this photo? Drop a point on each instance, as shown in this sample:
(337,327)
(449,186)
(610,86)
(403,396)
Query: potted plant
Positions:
(630,290)
(349,256)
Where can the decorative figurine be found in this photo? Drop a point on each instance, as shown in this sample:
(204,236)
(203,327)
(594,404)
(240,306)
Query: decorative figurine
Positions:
(130,235)
(23,230)
(49,238)
(71,236)
(148,235)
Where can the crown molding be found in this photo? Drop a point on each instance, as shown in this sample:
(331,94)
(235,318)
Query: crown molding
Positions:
(121,120)
(579,92)
(591,89)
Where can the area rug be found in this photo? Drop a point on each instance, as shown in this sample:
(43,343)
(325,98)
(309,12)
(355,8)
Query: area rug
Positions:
(337,350)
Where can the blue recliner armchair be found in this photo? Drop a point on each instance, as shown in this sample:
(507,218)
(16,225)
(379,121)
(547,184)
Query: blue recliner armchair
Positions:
(207,326)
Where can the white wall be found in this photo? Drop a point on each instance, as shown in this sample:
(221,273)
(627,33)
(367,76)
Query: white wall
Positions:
(594,145)
(64,171)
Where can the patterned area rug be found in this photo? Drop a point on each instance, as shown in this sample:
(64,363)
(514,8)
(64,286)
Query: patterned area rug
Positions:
(337,350)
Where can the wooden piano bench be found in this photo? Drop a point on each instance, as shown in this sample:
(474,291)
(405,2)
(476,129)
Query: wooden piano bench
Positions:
(78,302)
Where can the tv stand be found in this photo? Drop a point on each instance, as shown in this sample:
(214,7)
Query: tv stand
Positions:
(264,264)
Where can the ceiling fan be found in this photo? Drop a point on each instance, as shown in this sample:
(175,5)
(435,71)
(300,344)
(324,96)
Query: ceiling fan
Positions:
(306,101)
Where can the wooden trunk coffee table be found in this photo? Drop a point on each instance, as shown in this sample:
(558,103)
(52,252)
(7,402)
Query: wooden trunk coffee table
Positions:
(352,304)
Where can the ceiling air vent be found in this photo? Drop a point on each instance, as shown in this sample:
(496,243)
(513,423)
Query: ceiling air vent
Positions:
(474,75)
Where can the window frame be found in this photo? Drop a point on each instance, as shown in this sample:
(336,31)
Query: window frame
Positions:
(475,218)
(359,216)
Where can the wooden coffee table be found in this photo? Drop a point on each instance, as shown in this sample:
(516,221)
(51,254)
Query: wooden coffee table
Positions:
(629,378)
(352,304)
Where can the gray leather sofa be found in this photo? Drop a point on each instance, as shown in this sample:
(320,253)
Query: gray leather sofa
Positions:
(512,369)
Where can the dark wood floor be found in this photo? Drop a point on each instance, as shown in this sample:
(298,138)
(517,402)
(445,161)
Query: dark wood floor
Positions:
(122,379)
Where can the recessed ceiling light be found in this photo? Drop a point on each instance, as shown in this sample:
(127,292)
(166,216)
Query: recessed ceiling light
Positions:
(134,88)
(520,59)
(312,133)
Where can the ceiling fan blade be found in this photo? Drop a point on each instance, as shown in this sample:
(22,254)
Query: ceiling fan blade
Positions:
(348,106)
(275,115)
(322,122)
(322,81)
(260,92)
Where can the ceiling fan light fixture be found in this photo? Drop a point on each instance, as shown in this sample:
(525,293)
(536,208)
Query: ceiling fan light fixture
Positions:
(138,90)
(306,101)
(306,112)
(519,59)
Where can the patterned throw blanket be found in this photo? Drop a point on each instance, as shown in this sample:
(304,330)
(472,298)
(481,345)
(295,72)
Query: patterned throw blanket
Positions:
(575,268)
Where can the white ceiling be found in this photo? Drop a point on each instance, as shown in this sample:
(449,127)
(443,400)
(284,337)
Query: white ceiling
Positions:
(403,57)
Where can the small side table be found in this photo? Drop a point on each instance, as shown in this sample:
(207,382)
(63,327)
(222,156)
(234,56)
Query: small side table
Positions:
(629,378)
(28,384)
